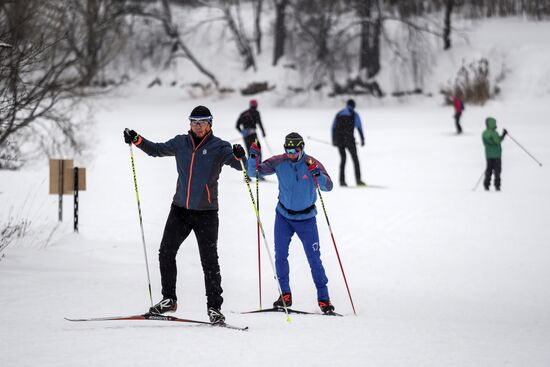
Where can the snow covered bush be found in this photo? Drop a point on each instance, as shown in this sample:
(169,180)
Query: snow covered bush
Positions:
(473,84)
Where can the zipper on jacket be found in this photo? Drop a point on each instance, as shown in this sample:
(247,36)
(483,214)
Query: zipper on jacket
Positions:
(208,192)
(191,168)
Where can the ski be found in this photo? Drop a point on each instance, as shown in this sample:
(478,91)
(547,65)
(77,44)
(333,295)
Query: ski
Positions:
(158,317)
(290,310)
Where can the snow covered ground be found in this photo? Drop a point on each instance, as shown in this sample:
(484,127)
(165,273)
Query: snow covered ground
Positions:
(440,275)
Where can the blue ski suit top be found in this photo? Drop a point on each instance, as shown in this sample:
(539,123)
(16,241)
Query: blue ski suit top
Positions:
(198,167)
(297,191)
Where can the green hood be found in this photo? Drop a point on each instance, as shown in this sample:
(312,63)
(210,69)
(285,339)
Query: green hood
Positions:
(491,123)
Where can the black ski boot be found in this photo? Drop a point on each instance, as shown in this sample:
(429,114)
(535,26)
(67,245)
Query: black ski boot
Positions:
(287,297)
(215,315)
(166,305)
(326,306)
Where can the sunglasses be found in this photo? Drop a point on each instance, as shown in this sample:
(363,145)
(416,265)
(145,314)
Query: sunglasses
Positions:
(201,121)
(292,150)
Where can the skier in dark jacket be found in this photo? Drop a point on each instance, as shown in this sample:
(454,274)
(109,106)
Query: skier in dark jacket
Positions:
(343,127)
(493,152)
(459,108)
(247,123)
(295,213)
(200,157)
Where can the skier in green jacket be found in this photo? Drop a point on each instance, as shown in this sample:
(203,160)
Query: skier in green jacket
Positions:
(493,152)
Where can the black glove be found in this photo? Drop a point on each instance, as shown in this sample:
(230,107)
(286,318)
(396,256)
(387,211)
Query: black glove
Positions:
(504,132)
(362,142)
(130,136)
(238,151)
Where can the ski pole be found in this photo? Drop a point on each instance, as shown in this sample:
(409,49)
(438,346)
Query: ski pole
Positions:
(525,150)
(318,140)
(288,318)
(478,181)
(333,241)
(258,232)
(267,145)
(321,141)
(141,224)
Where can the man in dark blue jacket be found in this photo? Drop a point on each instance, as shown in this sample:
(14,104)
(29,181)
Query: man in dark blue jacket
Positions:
(344,124)
(200,157)
(295,213)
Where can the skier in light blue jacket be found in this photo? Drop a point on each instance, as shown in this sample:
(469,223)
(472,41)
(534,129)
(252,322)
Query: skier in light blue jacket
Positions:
(295,213)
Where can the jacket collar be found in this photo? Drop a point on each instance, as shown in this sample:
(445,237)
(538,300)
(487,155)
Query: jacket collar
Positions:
(202,142)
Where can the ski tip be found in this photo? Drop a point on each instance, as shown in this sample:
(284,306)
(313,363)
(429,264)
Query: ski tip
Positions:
(232,327)
(332,313)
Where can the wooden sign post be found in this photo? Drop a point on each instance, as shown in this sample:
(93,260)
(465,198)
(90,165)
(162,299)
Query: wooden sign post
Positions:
(66,179)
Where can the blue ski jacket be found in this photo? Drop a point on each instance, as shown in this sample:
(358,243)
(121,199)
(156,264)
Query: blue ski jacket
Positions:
(297,191)
(198,167)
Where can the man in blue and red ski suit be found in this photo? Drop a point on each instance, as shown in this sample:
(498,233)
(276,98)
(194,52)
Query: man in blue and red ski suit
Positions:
(295,213)
(459,107)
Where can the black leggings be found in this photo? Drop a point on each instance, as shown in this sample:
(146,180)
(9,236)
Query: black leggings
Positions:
(493,166)
(457,122)
(179,225)
(353,151)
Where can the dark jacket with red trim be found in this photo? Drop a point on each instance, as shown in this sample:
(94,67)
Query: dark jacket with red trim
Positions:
(198,166)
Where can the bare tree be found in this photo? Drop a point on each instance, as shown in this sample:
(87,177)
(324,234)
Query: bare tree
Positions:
(38,87)
(447,24)
(258,25)
(235,24)
(172,31)
(96,33)
(279,30)
(371,29)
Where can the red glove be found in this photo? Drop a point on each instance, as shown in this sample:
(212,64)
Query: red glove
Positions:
(254,150)
(313,168)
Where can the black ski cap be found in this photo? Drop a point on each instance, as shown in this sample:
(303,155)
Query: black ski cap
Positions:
(294,140)
(350,103)
(201,112)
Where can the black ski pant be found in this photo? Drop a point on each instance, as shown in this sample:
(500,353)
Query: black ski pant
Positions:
(350,146)
(179,225)
(457,122)
(493,166)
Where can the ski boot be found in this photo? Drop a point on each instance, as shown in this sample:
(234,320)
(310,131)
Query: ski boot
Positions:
(215,316)
(287,297)
(166,305)
(326,306)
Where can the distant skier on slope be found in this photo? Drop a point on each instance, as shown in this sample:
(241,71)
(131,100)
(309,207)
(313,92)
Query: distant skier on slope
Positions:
(295,213)
(493,152)
(344,124)
(200,157)
(247,124)
(458,105)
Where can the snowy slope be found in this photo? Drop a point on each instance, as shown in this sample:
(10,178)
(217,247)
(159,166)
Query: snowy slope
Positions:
(440,275)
